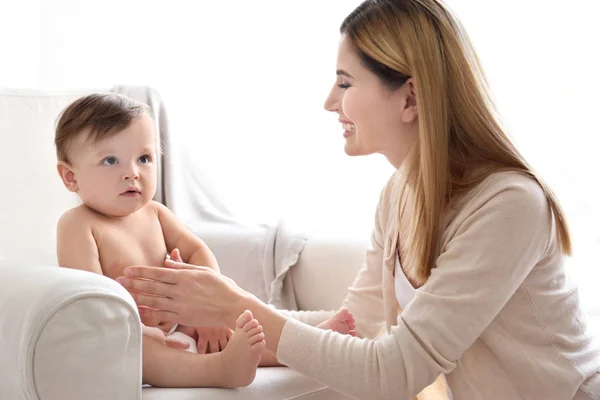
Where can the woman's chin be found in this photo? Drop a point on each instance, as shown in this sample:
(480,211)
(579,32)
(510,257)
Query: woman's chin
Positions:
(352,150)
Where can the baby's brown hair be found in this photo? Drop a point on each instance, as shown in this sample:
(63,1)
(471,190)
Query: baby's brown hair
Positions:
(100,114)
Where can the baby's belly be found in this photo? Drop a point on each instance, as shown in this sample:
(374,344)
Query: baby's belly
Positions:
(115,268)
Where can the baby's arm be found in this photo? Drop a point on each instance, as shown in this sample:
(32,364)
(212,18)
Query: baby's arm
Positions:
(193,250)
(76,246)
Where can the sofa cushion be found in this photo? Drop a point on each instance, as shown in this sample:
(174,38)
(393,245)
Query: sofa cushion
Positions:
(270,384)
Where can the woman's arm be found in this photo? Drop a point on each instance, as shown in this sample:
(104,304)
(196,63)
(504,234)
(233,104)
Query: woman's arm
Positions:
(312,318)
(492,252)
(487,259)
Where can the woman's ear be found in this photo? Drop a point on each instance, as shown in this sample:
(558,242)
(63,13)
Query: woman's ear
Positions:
(65,170)
(410,111)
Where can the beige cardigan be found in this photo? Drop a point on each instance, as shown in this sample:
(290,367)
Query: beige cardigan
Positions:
(499,315)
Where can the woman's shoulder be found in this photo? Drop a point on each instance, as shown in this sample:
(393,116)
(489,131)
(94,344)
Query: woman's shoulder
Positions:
(508,192)
(502,191)
(509,184)
(503,183)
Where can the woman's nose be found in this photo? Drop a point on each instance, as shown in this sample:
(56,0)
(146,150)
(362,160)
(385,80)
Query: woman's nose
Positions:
(332,102)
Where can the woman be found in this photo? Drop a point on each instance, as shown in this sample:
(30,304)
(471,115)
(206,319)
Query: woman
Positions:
(465,271)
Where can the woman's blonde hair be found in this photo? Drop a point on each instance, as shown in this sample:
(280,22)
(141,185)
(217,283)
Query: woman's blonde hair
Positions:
(461,140)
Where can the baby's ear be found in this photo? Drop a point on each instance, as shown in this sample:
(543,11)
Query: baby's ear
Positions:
(65,170)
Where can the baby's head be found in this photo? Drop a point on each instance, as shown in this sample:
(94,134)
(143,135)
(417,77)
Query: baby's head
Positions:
(107,152)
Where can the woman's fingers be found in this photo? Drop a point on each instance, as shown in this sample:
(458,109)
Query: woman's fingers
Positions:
(166,316)
(184,294)
(155,273)
(174,264)
(155,302)
(145,286)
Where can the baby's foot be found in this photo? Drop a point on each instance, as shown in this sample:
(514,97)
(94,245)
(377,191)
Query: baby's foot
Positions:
(243,351)
(342,322)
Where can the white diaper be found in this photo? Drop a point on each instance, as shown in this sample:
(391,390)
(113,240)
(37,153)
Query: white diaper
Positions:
(173,329)
(187,339)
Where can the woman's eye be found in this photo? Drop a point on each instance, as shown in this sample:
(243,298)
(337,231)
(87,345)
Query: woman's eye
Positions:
(344,85)
(145,159)
(109,161)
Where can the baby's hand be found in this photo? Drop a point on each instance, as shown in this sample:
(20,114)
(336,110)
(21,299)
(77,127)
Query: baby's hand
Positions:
(175,256)
(213,339)
(342,322)
(161,336)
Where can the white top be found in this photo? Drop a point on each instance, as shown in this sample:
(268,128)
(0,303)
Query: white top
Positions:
(405,292)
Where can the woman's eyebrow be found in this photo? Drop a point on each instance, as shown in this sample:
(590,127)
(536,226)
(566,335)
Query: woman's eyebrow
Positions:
(344,73)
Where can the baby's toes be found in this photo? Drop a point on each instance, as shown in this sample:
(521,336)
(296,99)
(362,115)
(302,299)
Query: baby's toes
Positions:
(253,323)
(255,331)
(244,319)
(259,337)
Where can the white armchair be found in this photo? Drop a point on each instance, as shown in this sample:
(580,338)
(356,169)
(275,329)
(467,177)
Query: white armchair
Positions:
(69,334)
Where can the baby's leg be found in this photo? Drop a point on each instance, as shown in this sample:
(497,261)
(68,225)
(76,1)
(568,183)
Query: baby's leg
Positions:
(233,367)
(268,359)
(163,366)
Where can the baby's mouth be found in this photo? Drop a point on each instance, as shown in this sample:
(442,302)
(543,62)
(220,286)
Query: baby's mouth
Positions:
(131,192)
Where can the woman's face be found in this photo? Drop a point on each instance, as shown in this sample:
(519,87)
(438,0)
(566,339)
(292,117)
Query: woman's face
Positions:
(375,118)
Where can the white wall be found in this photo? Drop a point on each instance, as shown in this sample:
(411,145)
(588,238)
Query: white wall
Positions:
(20,33)
(247,81)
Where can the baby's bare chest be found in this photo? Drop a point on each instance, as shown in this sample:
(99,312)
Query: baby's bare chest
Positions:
(136,242)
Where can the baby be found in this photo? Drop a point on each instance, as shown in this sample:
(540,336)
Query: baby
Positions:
(107,153)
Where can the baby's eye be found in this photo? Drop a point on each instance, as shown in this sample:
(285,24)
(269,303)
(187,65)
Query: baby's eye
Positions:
(144,159)
(109,161)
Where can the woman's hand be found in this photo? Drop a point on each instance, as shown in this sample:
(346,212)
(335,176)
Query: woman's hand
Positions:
(185,294)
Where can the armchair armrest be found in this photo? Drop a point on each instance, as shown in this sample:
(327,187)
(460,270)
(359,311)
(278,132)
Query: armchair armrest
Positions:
(67,334)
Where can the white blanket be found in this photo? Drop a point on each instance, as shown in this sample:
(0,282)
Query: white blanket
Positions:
(257,257)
